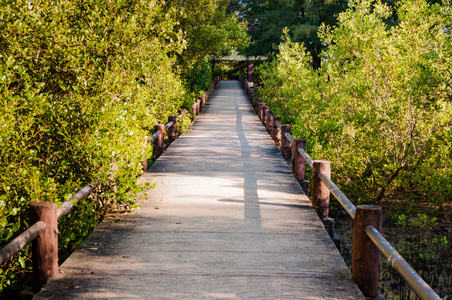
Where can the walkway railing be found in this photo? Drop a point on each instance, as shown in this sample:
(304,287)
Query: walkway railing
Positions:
(44,215)
(368,243)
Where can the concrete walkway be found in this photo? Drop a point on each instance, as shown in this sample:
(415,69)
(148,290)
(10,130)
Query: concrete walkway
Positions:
(227,220)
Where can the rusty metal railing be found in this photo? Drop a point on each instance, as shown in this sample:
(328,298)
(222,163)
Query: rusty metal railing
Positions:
(367,218)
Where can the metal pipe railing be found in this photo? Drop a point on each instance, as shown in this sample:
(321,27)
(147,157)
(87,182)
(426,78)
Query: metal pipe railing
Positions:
(419,286)
(21,241)
(180,116)
(154,136)
(306,157)
(169,124)
(67,205)
(343,200)
(289,137)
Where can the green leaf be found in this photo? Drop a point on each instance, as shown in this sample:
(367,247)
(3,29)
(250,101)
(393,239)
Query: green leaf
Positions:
(22,261)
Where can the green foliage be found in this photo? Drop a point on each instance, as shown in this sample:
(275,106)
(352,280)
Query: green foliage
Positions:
(379,108)
(302,18)
(81,86)
(209,31)
(200,77)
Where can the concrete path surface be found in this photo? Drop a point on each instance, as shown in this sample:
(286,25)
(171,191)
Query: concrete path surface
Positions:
(227,220)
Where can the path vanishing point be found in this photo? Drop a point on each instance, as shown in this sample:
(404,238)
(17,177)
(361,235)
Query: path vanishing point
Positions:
(226,220)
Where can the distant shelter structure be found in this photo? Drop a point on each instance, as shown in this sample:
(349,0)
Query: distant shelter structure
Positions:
(250,63)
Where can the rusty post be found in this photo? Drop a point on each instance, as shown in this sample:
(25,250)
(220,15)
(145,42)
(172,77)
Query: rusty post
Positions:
(365,255)
(299,163)
(320,192)
(172,131)
(276,132)
(159,142)
(45,246)
(264,115)
(269,122)
(285,144)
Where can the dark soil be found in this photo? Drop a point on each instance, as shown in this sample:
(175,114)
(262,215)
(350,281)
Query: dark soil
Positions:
(423,241)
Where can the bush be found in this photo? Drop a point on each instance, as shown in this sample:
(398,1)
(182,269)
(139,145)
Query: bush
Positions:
(82,83)
(379,107)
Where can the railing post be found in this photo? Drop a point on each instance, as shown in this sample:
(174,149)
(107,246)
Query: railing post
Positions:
(365,255)
(320,192)
(276,132)
(256,105)
(198,106)
(45,246)
(259,110)
(269,122)
(264,114)
(194,114)
(144,164)
(172,131)
(285,144)
(203,101)
(299,163)
(159,142)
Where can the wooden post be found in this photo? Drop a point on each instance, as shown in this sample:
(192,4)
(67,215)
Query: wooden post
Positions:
(365,255)
(256,105)
(172,131)
(276,131)
(144,164)
(269,122)
(250,71)
(320,192)
(194,114)
(159,142)
(299,163)
(285,144)
(259,110)
(45,246)
(264,114)
(198,106)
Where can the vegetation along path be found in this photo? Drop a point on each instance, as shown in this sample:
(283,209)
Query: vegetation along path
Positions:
(226,220)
